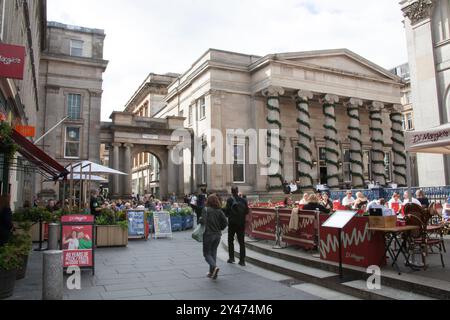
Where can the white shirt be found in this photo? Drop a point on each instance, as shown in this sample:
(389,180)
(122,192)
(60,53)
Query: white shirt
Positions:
(374,205)
(303,202)
(140,208)
(194,200)
(348,202)
(414,200)
(293,187)
(74,244)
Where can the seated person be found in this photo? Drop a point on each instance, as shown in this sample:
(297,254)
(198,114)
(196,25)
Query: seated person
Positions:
(420,195)
(361,202)
(377,204)
(326,202)
(348,201)
(406,199)
(305,199)
(288,202)
(314,205)
(395,203)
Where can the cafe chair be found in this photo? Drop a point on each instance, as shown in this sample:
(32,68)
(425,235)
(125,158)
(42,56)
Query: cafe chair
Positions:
(436,225)
(422,241)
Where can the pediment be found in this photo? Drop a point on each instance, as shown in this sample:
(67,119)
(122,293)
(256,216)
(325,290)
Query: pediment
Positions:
(339,60)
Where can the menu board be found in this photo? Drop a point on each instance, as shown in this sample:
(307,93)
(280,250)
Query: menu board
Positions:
(77,241)
(136,224)
(163,227)
(339,220)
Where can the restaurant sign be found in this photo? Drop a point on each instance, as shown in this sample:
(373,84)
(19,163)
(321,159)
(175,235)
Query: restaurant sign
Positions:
(12,61)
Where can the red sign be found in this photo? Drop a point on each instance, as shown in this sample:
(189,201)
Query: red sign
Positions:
(305,236)
(360,246)
(12,61)
(77,245)
(78,219)
(263,224)
(26,131)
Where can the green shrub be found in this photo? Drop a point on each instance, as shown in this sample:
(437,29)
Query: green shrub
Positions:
(23,243)
(10,258)
(33,215)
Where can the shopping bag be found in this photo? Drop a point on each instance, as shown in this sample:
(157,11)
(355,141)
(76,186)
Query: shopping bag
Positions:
(198,233)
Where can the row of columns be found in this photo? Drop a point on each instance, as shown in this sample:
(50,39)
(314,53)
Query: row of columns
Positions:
(305,139)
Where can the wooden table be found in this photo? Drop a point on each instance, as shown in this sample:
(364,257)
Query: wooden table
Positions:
(392,236)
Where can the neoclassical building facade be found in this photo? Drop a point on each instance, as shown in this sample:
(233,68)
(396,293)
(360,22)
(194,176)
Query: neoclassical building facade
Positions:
(427,26)
(337,118)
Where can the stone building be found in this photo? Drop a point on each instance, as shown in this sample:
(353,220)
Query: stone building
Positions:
(71,79)
(428,33)
(339,114)
(22,23)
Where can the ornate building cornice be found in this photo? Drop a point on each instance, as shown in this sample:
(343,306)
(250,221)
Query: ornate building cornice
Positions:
(418,11)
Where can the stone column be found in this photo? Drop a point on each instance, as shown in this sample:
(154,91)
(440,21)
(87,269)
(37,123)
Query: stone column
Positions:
(356,149)
(164,175)
(128,170)
(274,137)
(398,139)
(304,140)
(173,170)
(376,129)
(332,144)
(116,157)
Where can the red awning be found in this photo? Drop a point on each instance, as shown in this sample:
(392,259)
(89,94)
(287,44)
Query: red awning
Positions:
(38,157)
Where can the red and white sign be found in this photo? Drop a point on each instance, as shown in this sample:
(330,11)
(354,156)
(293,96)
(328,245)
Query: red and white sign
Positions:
(78,219)
(12,61)
(77,245)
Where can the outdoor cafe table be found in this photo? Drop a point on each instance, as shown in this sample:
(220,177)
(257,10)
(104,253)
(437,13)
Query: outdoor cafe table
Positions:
(392,236)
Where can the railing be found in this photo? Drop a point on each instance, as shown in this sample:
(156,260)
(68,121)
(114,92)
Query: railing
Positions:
(436,194)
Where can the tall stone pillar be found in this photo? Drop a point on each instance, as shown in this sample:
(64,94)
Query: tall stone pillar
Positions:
(356,148)
(116,178)
(305,166)
(398,140)
(332,144)
(164,176)
(274,137)
(173,171)
(128,170)
(376,128)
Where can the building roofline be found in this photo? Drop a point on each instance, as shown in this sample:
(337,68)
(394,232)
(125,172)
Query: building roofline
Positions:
(59,25)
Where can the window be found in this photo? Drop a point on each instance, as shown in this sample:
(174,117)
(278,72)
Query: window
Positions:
(76,48)
(346,167)
(72,143)
(239,163)
(410,121)
(387,166)
(191,114)
(202,107)
(74,106)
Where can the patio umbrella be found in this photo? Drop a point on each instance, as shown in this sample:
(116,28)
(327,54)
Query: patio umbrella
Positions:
(85,177)
(93,168)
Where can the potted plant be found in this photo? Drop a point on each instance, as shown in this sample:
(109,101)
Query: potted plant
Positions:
(112,229)
(7,145)
(176,220)
(23,242)
(36,216)
(9,263)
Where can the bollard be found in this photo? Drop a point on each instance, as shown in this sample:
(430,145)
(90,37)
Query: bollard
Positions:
(53,276)
(53,235)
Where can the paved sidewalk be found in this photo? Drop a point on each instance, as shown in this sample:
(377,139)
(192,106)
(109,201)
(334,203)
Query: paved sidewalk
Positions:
(162,269)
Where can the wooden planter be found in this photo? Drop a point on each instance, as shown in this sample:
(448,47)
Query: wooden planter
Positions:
(35,232)
(7,283)
(111,236)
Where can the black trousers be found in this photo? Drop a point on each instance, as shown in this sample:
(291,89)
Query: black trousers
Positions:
(240,232)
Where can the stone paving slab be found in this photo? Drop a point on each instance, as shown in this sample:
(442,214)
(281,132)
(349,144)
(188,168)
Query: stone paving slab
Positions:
(161,270)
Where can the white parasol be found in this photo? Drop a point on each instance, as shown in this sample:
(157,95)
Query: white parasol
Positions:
(88,167)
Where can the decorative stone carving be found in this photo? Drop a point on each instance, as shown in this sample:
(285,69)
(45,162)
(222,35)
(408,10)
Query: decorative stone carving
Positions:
(273,92)
(419,11)
(355,137)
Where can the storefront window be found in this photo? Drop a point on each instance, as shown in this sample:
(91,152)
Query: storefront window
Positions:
(72,143)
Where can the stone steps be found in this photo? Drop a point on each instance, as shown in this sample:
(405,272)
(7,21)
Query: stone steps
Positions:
(319,276)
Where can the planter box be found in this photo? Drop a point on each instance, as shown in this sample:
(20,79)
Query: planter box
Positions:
(177,223)
(188,222)
(111,236)
(7,283)
(35,232)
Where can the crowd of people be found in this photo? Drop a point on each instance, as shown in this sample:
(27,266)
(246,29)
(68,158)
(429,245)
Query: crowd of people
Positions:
(320,201)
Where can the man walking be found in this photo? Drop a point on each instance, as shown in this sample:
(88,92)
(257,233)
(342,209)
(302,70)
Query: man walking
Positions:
(236,211)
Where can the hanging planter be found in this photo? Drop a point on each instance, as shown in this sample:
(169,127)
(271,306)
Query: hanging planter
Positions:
(7,145)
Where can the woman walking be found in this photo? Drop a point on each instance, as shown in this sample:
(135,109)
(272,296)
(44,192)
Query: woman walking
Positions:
(215,221)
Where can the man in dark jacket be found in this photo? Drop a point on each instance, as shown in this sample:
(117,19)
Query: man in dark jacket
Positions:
(236,211)
(6,224)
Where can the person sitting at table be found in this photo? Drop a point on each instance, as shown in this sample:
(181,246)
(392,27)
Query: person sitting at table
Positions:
(408,199)
(348,201)
(420,195)
(305,199)
(377,204)
(314,205)
(288,202)
(326,202)
(395,203)
(361,201)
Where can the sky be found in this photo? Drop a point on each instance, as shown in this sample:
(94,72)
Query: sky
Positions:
(144,36)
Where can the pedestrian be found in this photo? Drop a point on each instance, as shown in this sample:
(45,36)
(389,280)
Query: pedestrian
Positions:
(94,204)
(201,200)
(421,197)
(6,224)
(236,211)
(215,221)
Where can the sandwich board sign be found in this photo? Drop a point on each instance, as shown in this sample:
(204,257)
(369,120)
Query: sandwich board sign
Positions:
(137,224)
(163,227)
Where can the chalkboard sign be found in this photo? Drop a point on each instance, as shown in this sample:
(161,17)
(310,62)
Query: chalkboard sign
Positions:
(163,227)
(137,227)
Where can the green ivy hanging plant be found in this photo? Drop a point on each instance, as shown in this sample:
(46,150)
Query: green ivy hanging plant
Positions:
(7,145)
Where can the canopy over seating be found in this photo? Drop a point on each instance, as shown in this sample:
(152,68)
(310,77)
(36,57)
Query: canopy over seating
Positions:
(435,140)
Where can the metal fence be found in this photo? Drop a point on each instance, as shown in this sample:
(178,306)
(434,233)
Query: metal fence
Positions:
(436,194)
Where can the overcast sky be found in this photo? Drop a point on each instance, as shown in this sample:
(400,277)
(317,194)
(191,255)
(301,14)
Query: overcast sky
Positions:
(144,36)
